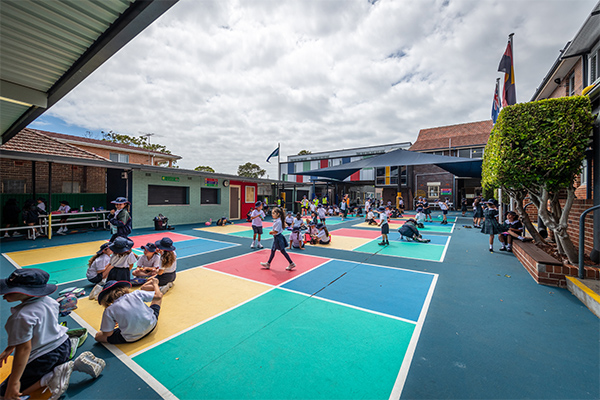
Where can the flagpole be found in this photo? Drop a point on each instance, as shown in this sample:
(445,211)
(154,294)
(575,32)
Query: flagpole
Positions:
(278,161)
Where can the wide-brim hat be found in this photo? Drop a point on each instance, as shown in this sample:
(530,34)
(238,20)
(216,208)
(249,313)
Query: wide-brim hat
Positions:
(109,286)
(120,200)
(381,209)
(165,244)
(121,245)
(28,281)
(414,221)
(103,247)
(258,204)
(320,225)
(492,201)
(151,247)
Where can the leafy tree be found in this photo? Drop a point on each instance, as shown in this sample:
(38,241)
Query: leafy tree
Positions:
(536,149)
(304,152)
(140,141)
(250,170)
(204,168)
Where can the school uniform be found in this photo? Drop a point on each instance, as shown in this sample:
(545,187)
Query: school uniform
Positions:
(36,320)
(257,222)
(322,214)
(443,207)
(385,227)
(289,220)
(120,270)
(295,240)
(120,224)
(297,223)
(371,218)
(134,317)
(94,271)
(323,237)
(426,208)
(169,273)
(490,225)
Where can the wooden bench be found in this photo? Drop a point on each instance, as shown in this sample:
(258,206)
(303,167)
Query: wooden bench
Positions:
(539,255)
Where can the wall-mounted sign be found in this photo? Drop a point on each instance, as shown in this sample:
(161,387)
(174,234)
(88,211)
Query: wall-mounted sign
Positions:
(211,182)
(170,178)
(446,192)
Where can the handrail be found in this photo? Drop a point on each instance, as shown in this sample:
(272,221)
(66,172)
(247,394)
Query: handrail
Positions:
(582,240)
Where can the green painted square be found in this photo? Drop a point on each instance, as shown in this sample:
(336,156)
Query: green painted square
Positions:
(62,271)
(283,345)
(250,234)
(420,251)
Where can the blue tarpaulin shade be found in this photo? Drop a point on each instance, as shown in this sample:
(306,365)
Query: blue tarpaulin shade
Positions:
(462,167)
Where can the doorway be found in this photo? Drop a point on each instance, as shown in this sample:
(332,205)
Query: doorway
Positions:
(234,202)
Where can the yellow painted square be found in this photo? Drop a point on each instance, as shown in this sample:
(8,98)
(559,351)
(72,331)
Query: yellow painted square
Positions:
(198,294)
(56,253)
(224,229)
(343,243)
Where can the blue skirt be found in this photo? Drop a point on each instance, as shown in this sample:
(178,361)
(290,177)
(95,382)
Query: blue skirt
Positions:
(279,242)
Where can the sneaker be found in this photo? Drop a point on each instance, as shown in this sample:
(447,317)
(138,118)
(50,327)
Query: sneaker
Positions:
(59,382)
(381,243)
(265,265)
(502,248)
(164,289)
(89,364)
(291,266)
(6,235)
(95,292)
(491,250)
(509,249)
(260,246)
(252,245)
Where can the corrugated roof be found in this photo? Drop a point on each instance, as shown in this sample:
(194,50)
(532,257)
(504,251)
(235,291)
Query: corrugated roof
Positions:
(588,35)
(30,141)
(92,142)
(462,135)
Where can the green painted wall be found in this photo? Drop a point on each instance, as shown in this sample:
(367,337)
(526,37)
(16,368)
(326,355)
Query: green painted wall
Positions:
(194,213)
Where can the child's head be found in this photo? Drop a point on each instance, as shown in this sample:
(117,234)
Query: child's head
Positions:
(121,245)
(149,249)
(25,283)
(64,203)
(120,203)
(258,205)
(112,291)
(512,216)
(278,213)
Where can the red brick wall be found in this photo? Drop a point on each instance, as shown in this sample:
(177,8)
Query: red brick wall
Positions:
(445,178)
(134,158)
(91,179)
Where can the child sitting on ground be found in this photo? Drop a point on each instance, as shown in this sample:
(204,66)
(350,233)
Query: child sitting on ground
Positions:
(223,221)
(121,262)
(323,234)
(295,239)
(129,311)
(96,267)
(310,236)
(409,230)
(147,265)
(289,220)
(420,218)
(371,218)
(41,346)
(168,264)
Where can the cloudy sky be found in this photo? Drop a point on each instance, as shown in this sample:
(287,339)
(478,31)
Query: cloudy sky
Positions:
(221,82)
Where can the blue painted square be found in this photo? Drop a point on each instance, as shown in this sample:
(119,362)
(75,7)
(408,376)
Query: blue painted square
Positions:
(396,292)
(192,247)
(434,239)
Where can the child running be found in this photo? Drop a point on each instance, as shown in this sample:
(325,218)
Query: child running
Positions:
(168,264)
(129,311)
(490,224)
(257,217)
(121,262)
(41,346)
(279,242)
(385,227)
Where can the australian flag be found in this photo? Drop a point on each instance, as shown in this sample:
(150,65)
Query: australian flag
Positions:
(275,153)
(509,95)
(496,102)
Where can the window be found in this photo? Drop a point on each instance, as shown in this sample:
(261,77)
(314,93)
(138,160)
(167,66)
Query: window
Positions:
(571,85)
(117,157)
(250,194)
(14,186)
(433,192)
(210,196)
(70,187)
(584,173)
(168,195)
(477,152)
(466,153)
(594,65)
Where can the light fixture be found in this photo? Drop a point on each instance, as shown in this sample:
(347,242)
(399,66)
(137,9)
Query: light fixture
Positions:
(557,81)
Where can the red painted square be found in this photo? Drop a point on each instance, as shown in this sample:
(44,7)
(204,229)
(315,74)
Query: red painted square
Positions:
(357,233)
(153,237)
(248,266)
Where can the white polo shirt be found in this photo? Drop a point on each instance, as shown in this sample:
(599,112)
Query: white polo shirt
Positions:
(134,317)
(97,266)
(153,262)
(36,319)
(123,260)
(259,217)
(173,266)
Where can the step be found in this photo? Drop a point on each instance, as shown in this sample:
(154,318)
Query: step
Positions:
(586,290)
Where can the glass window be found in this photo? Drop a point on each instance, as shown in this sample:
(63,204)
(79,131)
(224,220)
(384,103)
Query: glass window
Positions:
(594,64)
(380,172)
(380,181)
(477,152)
(14,186)
(571,85)
(250,194)
(584,173)
(433,192)
(70,187)
(210,196)
(168,195)
(466,153)
(117,157)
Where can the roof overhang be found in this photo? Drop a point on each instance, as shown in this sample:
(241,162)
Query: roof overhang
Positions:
(588,35)
(40,65)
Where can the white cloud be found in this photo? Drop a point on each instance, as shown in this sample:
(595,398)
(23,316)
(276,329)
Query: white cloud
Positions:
(222,82)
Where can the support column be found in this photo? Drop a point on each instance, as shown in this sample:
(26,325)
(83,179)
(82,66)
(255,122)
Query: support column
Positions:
(33,187)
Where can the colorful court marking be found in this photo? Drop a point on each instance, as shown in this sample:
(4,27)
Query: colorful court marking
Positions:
(356,233)
(431,227)
(224,230)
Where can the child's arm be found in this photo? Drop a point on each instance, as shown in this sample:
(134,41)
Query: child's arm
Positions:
(4,356)
(22,352)
(106,271)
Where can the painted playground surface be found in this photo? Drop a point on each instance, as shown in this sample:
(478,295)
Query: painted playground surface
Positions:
(354,320)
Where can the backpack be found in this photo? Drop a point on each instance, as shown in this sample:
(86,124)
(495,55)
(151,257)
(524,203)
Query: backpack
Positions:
(66,304)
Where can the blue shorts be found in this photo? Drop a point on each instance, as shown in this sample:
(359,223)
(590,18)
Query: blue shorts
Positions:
(257,229)
(445,212)
(385,229)
(117,337)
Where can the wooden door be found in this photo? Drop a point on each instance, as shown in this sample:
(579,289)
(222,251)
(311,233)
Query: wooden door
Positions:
(234,202)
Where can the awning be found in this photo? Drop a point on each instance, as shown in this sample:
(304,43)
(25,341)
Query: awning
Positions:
(463,167)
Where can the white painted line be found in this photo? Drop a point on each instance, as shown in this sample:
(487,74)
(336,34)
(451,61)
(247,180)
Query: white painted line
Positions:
(132,365)
(445,249)
(10,260)
(210,251)
(410,351)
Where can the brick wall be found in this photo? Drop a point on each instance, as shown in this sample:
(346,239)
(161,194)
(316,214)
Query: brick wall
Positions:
(134,158)
(90,179)
(562,89)
(445,178)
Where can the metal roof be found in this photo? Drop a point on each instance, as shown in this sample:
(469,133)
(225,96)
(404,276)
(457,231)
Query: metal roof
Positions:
(50,46)
(588,35)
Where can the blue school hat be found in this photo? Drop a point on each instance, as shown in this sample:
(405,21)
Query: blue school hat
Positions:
(165,244)
(27,281)
(121,245)
(120,200)
(103,247)
(382,208)
(109,286)
(319,225)
(258,203)
(151,247)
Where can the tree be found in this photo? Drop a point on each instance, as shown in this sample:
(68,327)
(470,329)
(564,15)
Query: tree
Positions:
(537,149)
(140,141)
(250,170)
(304,152)
(204,168)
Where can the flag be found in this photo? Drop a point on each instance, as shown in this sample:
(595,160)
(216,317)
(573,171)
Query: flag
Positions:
(496,102)
(509,94)
(275,153)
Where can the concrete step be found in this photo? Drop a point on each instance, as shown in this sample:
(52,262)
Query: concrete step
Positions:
(586,290)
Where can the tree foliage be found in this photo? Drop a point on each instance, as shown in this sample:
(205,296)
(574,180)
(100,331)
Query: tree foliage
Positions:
(537,148)
(250,170)
(304,152)
(140,141)
(204,168)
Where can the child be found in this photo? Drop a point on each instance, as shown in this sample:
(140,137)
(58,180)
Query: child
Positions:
(371,218)
(385,227)
(295,240)
(279,242)
(420,218)
(513,230)
(409,230)
(121,262)
(96,267)
(427,211)
(310,236)
(257,217)
(322,214)
(401,206)
(463,206)
(41,346)
(344,207)
(490,225)
(289,220)
(168,264)
(223,221)
(128,310)
(64,208)
(120,220)
(149,263)
(305,205)
(323,234)
(444,207)
(30,218)
(298,223)
(477,213)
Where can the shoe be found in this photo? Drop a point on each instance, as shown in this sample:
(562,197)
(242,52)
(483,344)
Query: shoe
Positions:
(77,337)
(252,245)
(89,364)
(502,248)
(381,243)
(265,265)
(260,246)
(491,250)
(509,249)
(527,239)
(291,267)
(6,235)
(95,292)
(164,289)
(59,382)
(387,242)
